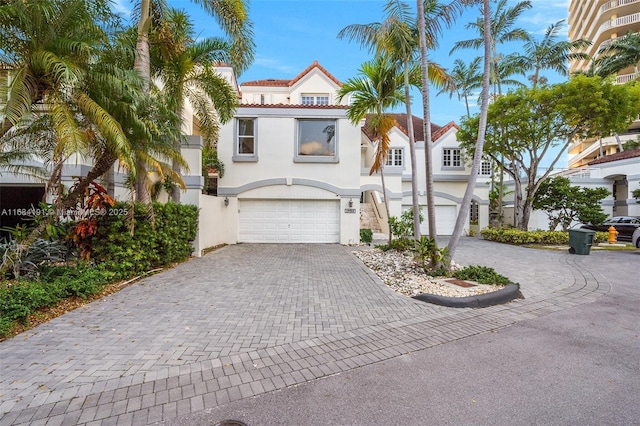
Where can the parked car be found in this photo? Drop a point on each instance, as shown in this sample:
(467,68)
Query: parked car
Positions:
(635,238)
(625,225)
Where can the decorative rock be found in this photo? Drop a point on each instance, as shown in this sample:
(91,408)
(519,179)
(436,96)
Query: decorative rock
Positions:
(403,275)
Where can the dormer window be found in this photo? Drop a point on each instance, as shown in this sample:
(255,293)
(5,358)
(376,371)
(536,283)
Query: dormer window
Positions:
(314,99)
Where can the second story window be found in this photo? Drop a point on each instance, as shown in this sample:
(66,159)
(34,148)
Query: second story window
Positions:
(314,99)
(394,157)
(316,141)
(485,168)
(246,144)
(452,157)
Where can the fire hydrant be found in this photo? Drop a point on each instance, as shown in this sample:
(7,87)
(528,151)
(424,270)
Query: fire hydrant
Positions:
(613,235)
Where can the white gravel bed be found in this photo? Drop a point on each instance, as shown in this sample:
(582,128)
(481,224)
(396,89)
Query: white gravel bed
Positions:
(403,275)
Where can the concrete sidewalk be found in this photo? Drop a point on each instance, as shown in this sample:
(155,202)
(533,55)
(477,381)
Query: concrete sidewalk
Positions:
(249,319)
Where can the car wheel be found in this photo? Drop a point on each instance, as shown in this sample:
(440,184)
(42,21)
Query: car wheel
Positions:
(638,243)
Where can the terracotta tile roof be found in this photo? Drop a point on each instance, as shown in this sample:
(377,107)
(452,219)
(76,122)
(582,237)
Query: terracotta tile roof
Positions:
(293,106)
(271,82)
(442,130)
(418,127)
(624,155)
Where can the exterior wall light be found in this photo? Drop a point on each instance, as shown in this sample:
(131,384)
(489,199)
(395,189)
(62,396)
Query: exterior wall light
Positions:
(350,202)
(226,201)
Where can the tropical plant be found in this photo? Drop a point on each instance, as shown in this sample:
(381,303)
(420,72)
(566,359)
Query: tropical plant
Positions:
(62,95)
(186,68)
(465,79)
(26,261)
(479,141)
(397,37)
(623,52)
(231,15)
(565,203)
(525,124)
(378,89)
(501,30)
(549,53)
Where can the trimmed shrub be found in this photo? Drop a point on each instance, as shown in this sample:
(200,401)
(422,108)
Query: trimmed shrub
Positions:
(518,237)
(366,236)
(169,241)
(20,298)
(481,274)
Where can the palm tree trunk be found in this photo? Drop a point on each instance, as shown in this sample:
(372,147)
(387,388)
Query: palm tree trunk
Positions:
(428,162)
(175,194)
(142,64)
(142,189)
(482,127)
(386,202)
(412,153)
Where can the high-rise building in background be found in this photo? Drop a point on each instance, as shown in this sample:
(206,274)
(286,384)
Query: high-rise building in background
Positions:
(601,22)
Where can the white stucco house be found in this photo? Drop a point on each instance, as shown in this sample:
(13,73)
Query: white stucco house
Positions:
(297,170)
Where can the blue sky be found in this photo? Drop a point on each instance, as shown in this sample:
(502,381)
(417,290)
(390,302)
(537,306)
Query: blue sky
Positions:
(291,34)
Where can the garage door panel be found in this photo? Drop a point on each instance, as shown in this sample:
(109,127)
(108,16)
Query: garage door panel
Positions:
(289,221)
(445,219)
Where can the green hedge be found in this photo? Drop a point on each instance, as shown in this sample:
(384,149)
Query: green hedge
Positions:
(19,299)
(518,237)
(170,241)
(116,254)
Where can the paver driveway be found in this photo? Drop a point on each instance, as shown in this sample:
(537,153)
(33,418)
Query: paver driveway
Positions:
(248,319)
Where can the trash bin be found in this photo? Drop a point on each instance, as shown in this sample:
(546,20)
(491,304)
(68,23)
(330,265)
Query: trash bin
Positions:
(580,240)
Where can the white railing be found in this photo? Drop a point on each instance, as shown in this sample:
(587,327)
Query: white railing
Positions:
(615,3)
(624,78)
(623,20)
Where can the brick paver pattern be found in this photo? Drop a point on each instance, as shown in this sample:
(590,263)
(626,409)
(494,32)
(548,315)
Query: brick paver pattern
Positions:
(249,319)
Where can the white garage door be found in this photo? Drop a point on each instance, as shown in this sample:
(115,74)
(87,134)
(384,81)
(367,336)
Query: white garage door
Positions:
(289,221)
(445,220)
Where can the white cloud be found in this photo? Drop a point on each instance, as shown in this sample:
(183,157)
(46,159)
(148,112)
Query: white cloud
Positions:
(275,64)
(544,13)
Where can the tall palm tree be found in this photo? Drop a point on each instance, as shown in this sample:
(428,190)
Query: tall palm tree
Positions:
(378,89)
(186,69)
(231,15)
(432,17)
(51,49)
(502,21)
(623,52)
(466,79)
(549,53)
(482,128)
(397,37)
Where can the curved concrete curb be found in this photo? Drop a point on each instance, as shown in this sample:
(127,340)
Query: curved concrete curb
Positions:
(507,294)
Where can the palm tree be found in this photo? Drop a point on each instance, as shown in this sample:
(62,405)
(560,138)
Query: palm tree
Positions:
(378,89)
(61,93)
(623,52)
(186,69)
(51,50)
(549,54)
(431,17)
(397,37)
(466,79)
(482,128)
(231,15)
(502,21)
